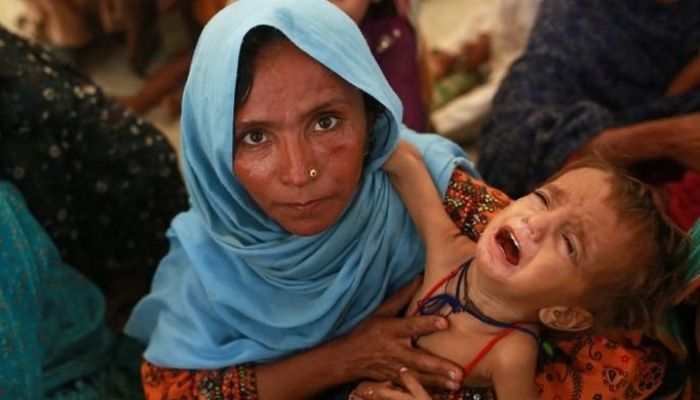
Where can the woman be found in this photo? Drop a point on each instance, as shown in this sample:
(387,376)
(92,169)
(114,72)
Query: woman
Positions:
(294,235)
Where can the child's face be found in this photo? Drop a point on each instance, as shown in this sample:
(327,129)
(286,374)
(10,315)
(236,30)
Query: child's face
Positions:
(543,249)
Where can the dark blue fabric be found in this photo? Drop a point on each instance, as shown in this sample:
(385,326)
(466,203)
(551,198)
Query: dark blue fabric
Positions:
(589,65)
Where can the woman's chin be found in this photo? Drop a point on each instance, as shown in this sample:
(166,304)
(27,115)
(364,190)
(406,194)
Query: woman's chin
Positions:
(309,226)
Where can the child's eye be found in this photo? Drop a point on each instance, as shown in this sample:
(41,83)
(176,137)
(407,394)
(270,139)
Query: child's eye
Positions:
(543,197)
(570,247)
(326,122)
(255,137)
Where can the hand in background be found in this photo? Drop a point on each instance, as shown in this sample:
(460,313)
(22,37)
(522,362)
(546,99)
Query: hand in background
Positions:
(687,80)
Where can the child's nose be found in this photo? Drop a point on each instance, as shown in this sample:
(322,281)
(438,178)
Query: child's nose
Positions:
(537,225)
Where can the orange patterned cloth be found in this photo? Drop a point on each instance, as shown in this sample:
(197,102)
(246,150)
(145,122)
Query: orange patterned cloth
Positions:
(233,383)
(597,368)
(589,368)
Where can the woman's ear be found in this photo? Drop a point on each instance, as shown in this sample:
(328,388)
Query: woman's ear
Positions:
(564,318)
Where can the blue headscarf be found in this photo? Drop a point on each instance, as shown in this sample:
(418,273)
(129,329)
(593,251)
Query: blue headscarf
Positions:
(235,286)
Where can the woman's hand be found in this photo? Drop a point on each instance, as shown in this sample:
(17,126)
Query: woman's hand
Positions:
(412,389)
(676,137)
(381,345)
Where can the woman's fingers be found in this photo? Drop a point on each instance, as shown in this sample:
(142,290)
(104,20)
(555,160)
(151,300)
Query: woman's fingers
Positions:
(433,371)
(437,381)
(380,391)
(381,345)
(413,327)
(387,391)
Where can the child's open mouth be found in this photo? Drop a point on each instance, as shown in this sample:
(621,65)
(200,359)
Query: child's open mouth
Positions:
(509,244)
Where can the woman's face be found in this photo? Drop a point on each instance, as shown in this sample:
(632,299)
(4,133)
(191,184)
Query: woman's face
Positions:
(299,117)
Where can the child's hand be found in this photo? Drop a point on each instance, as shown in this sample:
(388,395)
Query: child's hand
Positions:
(404,153)
(388,391)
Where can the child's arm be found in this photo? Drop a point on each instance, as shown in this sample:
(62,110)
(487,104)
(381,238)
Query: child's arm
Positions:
(445,245)
(514,372)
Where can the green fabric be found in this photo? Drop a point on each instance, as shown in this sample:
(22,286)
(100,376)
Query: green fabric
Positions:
(693,274)
(53,339)
(675,329)
(453,85)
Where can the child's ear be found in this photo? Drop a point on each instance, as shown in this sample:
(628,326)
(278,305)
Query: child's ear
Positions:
(563,318)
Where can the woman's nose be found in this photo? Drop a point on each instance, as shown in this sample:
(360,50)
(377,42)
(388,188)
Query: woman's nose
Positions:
(296,160)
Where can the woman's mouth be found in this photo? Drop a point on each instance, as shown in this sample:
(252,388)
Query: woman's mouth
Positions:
(509,245)
(305,206)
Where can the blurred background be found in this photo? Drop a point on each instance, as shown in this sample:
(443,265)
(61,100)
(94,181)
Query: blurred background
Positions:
(139,55)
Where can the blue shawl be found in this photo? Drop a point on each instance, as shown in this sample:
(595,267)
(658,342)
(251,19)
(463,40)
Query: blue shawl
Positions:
(235,286)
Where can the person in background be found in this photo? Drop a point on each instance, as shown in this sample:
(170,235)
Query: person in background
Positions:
(86,192)
(388,27)
(614,86)
(102,182)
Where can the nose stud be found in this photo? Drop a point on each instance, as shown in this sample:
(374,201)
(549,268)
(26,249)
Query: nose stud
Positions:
(313,173)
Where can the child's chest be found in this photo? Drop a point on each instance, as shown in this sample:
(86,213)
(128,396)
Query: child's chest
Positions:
(466,343)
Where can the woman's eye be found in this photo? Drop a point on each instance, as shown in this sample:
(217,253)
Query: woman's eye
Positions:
(254,137)
(326,122)
(543,197)
(570,248)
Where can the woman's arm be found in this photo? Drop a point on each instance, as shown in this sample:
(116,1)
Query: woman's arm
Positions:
(375,349)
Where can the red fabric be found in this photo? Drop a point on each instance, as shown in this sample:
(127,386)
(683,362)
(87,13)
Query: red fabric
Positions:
(485,350)
(684,200)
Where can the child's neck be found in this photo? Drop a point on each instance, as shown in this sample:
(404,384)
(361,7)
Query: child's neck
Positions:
(490,304)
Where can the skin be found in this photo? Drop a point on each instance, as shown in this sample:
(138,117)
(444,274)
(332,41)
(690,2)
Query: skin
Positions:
(548,284)
(323,127)
(300,116)
(686,80)
(355,9)
(567,233)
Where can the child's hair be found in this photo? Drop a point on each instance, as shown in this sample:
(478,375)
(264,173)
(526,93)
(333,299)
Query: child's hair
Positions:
(635,296)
